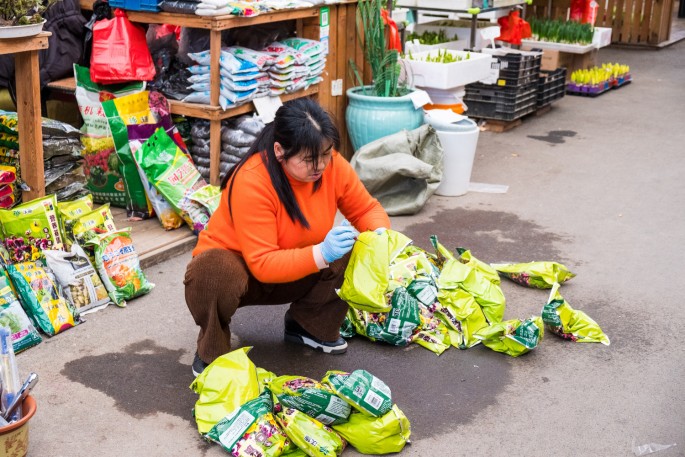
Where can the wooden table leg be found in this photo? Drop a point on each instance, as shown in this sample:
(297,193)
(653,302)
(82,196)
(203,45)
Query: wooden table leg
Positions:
(30,124)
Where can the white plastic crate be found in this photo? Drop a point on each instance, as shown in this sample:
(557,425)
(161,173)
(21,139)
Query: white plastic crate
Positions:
(447,75)
(459,28)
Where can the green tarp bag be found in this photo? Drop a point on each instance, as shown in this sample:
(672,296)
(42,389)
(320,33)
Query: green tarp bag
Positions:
(514,337)
(226,384)
(362,390)
(376,435)
(538,275)
(310,397)
(569,323)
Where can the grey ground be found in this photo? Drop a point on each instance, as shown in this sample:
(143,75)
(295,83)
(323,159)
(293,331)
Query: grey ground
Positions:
(606,197)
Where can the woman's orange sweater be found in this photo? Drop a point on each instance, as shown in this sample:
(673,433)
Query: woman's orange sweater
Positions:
(275,248)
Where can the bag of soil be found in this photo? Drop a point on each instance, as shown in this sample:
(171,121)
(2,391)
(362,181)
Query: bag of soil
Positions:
(310,397)
(538,275)
(362,390)
(97,222)
(460,312)
(42,297)
(250,430)
(514,337)
(569,323)
(310,435)
(376,435)
(117,262)
(79,280)
(12,315)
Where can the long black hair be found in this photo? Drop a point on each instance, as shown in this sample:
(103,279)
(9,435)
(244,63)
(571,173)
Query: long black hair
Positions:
(300,125)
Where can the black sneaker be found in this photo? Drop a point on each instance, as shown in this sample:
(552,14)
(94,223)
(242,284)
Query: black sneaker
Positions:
(198,365)
(296,334)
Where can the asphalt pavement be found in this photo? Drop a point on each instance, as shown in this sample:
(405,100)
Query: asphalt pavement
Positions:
(596,184)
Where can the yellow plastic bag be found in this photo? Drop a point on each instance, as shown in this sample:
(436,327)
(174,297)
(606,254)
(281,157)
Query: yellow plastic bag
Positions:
(571,324)
(376,435)
(514,337)
(310,435)
(226,384)
(460,312)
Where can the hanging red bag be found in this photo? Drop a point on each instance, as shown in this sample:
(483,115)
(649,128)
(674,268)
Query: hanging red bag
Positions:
(513,28)
(120,52)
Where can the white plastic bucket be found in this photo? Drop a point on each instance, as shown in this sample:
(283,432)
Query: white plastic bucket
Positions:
(459,152)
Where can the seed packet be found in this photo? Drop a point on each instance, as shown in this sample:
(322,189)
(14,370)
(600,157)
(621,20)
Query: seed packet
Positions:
(514,337)
(569,323)
(376,435)
(30,228)
(42,297)
(121,112)
(102,166)
(250,430)
(310,435)
(538,275)
(311,397)
(117,262)
(175,177)
(12,315)
(69,211)
(208,196)
(97,222)
(77,277)
(362,390)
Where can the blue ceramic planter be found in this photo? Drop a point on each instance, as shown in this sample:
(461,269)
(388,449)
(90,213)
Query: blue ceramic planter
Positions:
(369,117)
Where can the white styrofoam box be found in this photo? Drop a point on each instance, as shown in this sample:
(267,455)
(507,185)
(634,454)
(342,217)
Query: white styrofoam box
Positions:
(601,37)
(461,29)
(445,4)
(563,47)
(447,75)
(399,14)
(426,17)
(415,46)
(406,3)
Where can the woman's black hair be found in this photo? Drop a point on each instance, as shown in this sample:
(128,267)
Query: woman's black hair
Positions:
(299,125)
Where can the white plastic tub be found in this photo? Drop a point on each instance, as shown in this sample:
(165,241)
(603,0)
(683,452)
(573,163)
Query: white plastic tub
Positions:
(447,75)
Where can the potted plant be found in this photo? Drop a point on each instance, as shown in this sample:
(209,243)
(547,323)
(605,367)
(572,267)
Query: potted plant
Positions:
(384,107)
(20,18)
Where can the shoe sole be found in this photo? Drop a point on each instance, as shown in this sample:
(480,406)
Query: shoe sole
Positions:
(195,373)
(299,339)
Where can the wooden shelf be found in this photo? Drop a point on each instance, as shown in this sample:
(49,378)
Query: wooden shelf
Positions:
(210,112)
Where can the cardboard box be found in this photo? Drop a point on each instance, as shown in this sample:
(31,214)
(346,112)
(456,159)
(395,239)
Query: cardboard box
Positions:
(551,60)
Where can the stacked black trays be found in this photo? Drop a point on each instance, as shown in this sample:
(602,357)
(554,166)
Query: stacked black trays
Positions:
(515,93)
(551,86)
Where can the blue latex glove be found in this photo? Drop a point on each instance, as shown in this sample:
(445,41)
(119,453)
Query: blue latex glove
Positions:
(380,230)
(338,242)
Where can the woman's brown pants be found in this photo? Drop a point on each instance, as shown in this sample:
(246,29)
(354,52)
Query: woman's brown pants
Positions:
(218,282)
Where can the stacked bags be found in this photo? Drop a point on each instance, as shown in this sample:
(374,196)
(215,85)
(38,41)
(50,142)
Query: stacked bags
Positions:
(399,294)
(299,64)
(250,411)
(237,135)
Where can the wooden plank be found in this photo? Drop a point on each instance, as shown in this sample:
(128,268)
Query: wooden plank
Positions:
(67,84)
(326,99)
(184,20)
(25,44)
(29,123)
(636,22)
(226,22)
(214,151)
(654,22)
(611,21)
(665,21)
(214,67)
(644,27)
(627,21)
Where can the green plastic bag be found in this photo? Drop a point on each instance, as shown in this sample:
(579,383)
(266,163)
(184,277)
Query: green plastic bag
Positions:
(31,227)
(437,340)
(442,254)
(486,270)
(250,430)
(400,323)
(538,275)
(487,294)
(362,390)
(96,222)
(376,435)
(569,323)
(408,266)
(424,290)
(226,384)
(460,312)
(310,397)
(310,435)
(174,176)
(133,109)
(12,315)
(42,298)
(69,211)
(117,262)
(514,337)
(347,329)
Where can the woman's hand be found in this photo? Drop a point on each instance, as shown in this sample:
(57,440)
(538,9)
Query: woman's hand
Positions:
(338,242)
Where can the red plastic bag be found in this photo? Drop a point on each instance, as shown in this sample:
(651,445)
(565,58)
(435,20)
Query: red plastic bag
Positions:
(120,52)
(394,41)
(584,11)
(513,28)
